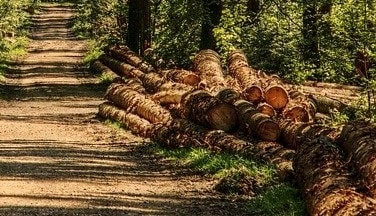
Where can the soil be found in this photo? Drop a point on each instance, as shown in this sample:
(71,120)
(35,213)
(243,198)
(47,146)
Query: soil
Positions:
(57,158)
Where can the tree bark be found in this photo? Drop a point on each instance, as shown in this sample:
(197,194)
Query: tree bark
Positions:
(204,109)
(134,123)
(257,123)
(137,103)
(359,142)
(181,76)
(122,69)
(324,179)
(208,66)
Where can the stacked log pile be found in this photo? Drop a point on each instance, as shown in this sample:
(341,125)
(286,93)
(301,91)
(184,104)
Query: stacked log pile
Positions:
(180,108)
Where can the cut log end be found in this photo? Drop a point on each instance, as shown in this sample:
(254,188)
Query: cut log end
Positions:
(254,94)
(223,117)
(269,130)
(297,114)
(192,80)
(266,109)
(276,96)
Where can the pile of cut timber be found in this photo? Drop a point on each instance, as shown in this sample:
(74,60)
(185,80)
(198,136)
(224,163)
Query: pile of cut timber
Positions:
(247,112)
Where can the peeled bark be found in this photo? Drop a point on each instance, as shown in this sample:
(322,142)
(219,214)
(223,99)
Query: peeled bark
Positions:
(359,142)
(324,179)
(134,123)
(258,123)
(126,55)
(137,103)
(208,66)
(209,111)
(181,76)
(122,69)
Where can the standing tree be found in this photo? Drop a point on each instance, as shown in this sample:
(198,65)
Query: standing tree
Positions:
(310,33)
(211,18)
(139,25)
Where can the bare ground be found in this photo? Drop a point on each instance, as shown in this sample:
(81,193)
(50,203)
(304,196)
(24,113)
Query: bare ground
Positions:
(56,158)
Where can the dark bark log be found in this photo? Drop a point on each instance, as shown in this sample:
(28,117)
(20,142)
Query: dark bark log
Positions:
(327,104)
(202,108)
(134,123)
(137,103)
(359,142)
(324,179)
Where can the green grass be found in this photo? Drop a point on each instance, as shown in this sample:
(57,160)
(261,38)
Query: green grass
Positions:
(278,200)
(218,165)
(106,78)
(95,50)
(272,197)
(114,124)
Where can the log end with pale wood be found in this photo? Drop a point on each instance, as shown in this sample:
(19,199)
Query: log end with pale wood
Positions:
(276,96)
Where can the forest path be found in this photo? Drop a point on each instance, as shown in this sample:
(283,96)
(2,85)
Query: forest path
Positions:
(56,158)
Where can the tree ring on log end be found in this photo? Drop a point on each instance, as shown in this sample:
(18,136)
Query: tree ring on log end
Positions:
(276,96)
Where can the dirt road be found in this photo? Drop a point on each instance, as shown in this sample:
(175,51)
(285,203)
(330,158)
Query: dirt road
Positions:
(56,158)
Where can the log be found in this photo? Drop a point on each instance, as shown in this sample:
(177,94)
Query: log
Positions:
(207,64)
(332,85)
(134,84)
(204,109)
(181,76)
(120,68)
(327,104)
(359,142)
(258,123)
(294,133)
(257,85)
(228,95)
(134,123)
(324,179)
(168,97)
(300,108)
(267,109)
(99,68)
(124,54)
(137,103)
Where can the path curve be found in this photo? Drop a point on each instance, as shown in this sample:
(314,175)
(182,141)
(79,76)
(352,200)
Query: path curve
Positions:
(56,158)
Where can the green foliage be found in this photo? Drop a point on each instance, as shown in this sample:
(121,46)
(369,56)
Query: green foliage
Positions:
(278,200)
(106,78)
(95,50)
(114,124)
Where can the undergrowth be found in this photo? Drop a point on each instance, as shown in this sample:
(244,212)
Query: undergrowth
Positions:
(237,174)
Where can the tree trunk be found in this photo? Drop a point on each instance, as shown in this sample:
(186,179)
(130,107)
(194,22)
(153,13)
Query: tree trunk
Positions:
(300,108)
(359,142)
(310,33)
(134,25)
(324,179)
(209,111)
(266,109)
(146,28)
(137,103)
(212,17)
(134,123)
(327,104)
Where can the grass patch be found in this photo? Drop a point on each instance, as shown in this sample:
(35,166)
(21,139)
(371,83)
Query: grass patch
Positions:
(114,124)
(106,78)
(278,200)
(95,50)
(219,165)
